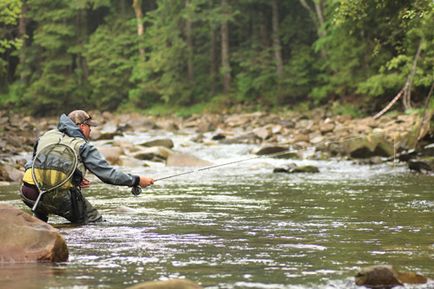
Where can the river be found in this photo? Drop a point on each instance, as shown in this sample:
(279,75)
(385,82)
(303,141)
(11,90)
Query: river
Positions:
(243,226)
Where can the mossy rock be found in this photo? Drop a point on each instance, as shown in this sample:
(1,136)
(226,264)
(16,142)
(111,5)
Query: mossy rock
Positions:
(369,146)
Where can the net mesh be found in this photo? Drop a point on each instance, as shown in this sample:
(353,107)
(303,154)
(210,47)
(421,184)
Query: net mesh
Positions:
(53,167)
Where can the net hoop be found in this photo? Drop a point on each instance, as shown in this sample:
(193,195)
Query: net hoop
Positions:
(66,179)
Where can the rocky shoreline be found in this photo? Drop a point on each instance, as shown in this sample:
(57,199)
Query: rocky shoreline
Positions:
(313,135)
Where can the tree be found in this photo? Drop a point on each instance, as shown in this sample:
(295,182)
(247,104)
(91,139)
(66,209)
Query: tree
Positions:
(276,40)
(10,40)
(224,30)
(137,5)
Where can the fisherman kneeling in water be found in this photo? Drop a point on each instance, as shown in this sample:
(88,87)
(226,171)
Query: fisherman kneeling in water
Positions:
(67,200)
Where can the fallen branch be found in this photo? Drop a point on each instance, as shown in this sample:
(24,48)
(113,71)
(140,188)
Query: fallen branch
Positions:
(394,100)
(406,90)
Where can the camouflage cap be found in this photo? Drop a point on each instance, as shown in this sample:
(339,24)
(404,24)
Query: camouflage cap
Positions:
(81,117)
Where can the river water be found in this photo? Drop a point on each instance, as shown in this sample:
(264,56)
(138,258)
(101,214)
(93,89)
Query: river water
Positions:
(243,226)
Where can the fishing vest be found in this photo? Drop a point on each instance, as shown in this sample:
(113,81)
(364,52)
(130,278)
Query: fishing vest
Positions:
(53,137)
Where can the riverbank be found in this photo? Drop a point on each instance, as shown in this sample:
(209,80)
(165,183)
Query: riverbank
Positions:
(313,135)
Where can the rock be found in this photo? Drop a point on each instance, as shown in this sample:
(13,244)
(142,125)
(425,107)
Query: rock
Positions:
(428,150)
(305,169)
(24,238)
(10,173)
(317,140)
(112,154)
(412,278)
(169,284)
(327,127)
(385,276)
(167,124)
(422,164)
(285,169)
(185,160)
(156,154)
(108,131)
(218,136)
(378,277)
(369,146)
(292,168)
(262,132)
(132,162)
(270,150)
(165,142)
(300,137)
(248,138)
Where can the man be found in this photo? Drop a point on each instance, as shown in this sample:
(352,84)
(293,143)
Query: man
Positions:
(74,131)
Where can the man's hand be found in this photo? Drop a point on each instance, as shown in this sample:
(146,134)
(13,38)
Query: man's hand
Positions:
(145,181)
(85,183)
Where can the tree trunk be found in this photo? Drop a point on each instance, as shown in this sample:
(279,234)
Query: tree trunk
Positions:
(276,41)
(22,32)
(263,33)
(213,60)
(320,16)
(137,5)
(406,99)
(226,68)
(317,16)
(188,34)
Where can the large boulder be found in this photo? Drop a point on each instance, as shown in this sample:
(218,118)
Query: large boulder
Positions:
(24,238)
(168,284)
(155,154)
(368,146)
(112,154)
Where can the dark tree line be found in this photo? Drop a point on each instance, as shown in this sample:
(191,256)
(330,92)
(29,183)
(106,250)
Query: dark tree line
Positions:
(108,54)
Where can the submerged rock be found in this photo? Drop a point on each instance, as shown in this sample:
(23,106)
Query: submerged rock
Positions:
(385,276)
(169,284)
(293,168)
(24,238)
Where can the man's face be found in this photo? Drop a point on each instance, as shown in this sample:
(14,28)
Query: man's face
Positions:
(85,129)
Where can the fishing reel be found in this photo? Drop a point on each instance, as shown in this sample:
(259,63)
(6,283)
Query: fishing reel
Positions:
(136,190)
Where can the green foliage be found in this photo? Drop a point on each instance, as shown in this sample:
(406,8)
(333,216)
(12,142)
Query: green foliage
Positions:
(417,22)
(163,74)
(111,54)
(9,41)
(85,53)
(181,111)
(338,108)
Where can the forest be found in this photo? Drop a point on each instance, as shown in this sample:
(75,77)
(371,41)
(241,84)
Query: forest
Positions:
(266,54)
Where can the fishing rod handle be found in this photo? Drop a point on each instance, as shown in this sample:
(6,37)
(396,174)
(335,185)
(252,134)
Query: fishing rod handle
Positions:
(136,190)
